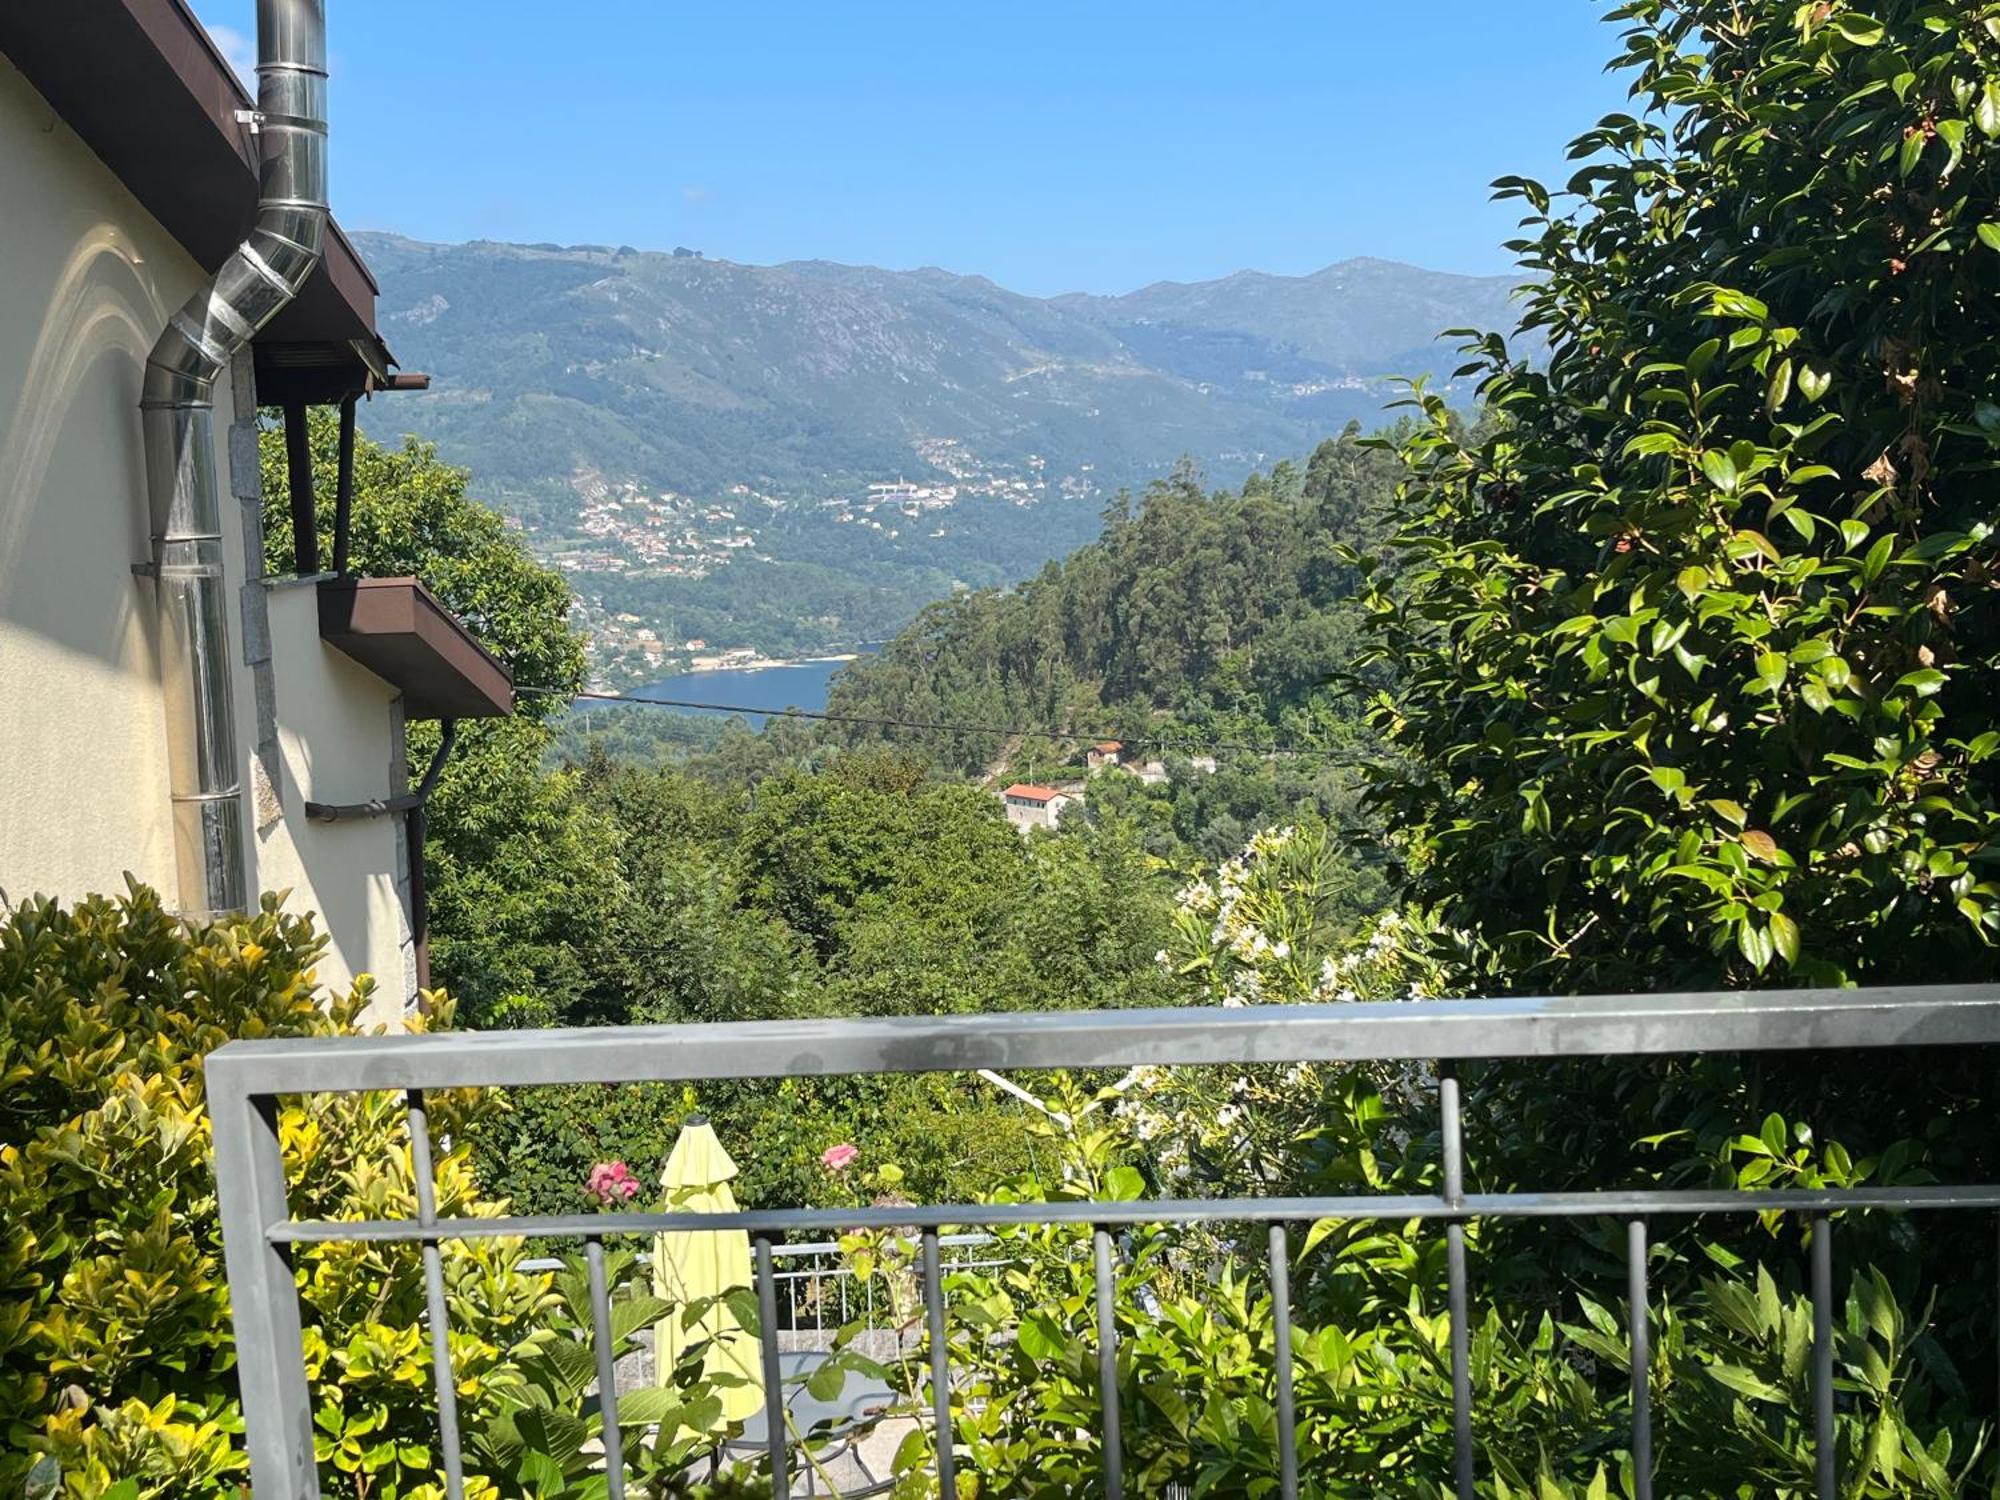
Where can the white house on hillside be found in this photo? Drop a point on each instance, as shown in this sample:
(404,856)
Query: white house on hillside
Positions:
(1030,806)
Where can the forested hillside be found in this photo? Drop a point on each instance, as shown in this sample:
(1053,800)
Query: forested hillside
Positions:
(1210,626)
(1195,617)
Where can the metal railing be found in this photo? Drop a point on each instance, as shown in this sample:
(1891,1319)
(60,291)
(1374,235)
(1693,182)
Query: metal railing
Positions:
(246,1079)
(819,1292)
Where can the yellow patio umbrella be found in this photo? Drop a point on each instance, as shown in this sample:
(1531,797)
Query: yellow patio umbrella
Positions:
(692,1266)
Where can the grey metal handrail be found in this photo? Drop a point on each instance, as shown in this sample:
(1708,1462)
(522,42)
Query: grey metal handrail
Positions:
(1557,1026)
(245,1080)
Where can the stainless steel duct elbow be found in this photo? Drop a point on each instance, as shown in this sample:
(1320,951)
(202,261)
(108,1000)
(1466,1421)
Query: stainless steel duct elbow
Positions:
(184,497)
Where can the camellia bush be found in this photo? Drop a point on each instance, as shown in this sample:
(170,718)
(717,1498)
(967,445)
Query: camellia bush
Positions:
(1696,640)
(1695,635)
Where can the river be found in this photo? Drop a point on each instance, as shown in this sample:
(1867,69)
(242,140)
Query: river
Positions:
(757,691)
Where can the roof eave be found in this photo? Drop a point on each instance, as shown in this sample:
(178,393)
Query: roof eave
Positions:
(143,85)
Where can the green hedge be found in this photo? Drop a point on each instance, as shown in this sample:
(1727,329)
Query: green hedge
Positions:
(116,1364)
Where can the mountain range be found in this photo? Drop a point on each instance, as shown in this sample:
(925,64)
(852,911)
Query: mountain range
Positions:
(758,403)
(691,374)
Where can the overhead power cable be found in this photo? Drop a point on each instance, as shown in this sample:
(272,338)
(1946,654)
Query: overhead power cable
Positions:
(866,721)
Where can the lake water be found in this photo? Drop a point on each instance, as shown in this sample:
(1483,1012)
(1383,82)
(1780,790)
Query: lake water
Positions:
(757,691)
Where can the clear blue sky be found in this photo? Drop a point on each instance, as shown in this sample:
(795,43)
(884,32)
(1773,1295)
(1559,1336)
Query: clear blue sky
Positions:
(1053,145)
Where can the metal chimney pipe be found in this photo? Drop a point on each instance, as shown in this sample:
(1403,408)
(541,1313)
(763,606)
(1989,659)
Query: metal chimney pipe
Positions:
(263,274)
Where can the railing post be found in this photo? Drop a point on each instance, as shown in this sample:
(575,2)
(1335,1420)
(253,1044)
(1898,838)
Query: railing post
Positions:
(437,1311)
(1642,1360)
(774,1371)
(946,1440)
(1826,1460)
(1107,1364)
(1452,1125)
(263,1296)
(1281,1360)
(604,1346)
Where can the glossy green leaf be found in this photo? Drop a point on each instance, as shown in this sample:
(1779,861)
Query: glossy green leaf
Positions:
(1924,682)
(1877,560)
(1720,470)
(1778,388)
(1785,937)
(1986,111)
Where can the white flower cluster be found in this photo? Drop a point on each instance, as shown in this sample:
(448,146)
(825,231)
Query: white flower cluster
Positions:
(1251,945)
(1146,1122)
(1246,988)
(1262,929)
(1136,1108)
(1231,907)
(1374,967)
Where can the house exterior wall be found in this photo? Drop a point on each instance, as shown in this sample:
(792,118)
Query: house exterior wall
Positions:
(1025,814)
(89,279)
(338,736)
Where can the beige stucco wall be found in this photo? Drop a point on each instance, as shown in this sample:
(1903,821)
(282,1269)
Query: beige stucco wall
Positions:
(1025,816)
(87,280)
(338,737)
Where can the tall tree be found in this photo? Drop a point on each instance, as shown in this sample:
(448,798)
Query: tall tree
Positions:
(1696,645)
(1694,638)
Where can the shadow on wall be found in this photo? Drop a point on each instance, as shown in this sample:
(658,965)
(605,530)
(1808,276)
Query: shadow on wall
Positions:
(70,455)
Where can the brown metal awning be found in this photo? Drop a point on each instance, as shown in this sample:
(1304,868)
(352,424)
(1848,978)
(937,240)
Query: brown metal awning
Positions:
(396,628)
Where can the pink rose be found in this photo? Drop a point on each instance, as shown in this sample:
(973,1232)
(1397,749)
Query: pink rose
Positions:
(612,1182)
(839,1158)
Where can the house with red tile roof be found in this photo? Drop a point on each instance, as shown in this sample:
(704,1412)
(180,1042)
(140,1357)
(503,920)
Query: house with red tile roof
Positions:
(1031,806)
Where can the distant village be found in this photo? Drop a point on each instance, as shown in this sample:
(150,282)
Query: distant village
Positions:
(624,530)
(968,478)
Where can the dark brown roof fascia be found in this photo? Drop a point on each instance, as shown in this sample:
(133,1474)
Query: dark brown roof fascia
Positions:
(145,88)
(396,628)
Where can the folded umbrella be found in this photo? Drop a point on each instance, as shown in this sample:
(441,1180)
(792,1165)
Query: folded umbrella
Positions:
(693,1269)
